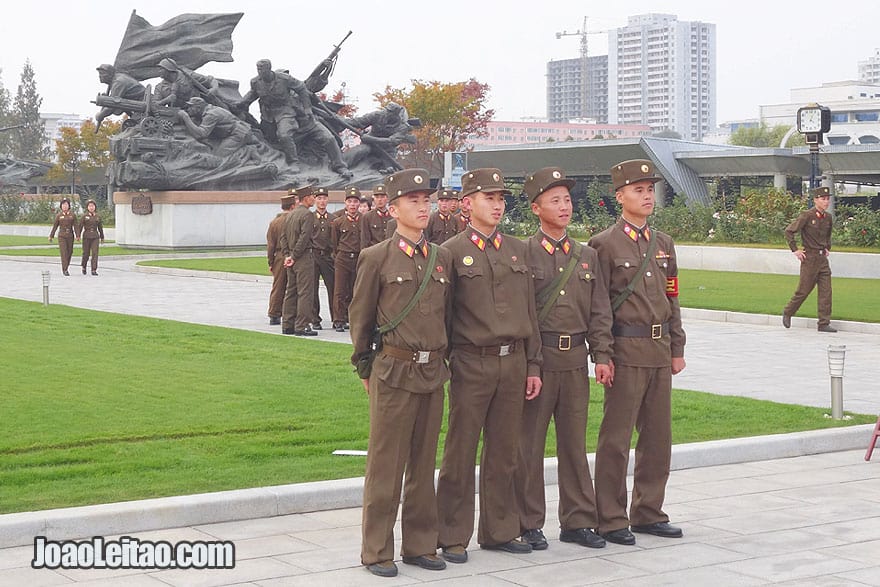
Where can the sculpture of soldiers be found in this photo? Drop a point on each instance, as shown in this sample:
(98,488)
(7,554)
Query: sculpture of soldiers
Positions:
(226,132)
(119,85)
(388,128)
(177,86)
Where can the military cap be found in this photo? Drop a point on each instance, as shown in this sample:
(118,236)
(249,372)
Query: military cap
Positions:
(447,194)
(406,182)
(65,199)
(167,65)
(196,101)
(631,171)
(352,192)
(288,200)
(105,67)
(822,192)
(322,192)
(542,180)
(380,190)
(307,190)
(487,179)
(91,202)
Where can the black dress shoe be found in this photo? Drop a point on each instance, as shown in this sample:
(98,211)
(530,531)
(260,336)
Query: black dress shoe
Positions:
(84,270)
(535,538)
(317,326)
(305,332)
(288,331)
(786,320)
(621,536)
(340,329)
(430,562)
(662,529)
(94,272)
(582,536)
(455,554)
(827,328)
(274,320)
(383,569)
(67,273)
(513,547)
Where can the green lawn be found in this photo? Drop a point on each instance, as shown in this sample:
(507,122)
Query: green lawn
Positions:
(247,265)
(100,407)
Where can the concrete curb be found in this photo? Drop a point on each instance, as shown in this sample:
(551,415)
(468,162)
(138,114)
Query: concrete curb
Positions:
(774,320)
(225,506)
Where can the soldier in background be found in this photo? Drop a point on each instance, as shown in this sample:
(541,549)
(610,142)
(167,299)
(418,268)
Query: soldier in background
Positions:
(90,231)
(297,312)
(322,249)
(276,259)
(443,224)
(463,215)
(374,224)
(65,224)
(346,238)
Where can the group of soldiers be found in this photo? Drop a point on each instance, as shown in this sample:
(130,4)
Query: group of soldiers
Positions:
(89,228)
(333,243)
(510,325)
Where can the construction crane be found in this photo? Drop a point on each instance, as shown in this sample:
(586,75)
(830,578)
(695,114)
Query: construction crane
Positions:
(586,81)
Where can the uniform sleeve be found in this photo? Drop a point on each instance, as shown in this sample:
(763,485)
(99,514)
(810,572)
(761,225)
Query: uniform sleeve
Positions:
(100,228)
(307,227)
(534,358)
(363,308)
(79,225)
(271,242)
(676,331)
(283,241)
(601,319)
(55,226)
(365,231)
(795,227)
(334,235)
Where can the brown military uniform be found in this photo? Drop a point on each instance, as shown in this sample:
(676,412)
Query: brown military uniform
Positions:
(441,227)
(374,227)
(322,249)
(462,220)
(297,312)
(581,313)
(276,265)
(495,344)
(65,224)
(346,239)
(815,230)
(647,334)
(91,232)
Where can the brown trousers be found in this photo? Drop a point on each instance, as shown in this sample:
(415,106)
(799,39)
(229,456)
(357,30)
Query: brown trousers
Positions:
(485,393)
(815,271)
(640,399)
(324,270)
(404,428)
(279,285)
(65,248)
(90,248)
(565,396)
(343,283)
(297,312)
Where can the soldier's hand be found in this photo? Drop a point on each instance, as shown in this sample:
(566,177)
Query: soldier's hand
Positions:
(533,387)
(51,239)
(366,384)
(678,365)
(604,374)
(288,261)
(800,255)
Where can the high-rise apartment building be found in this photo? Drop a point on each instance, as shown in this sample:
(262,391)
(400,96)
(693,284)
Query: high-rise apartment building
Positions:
(869,70)
(571,96)
(662,73)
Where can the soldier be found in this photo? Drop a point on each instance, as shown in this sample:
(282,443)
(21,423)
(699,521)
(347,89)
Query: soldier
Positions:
(389,127)
(346,237)
(495,362)
(176,89)
(463,214)
(227,132)
(815,229)
(406,384)
(276,259)
(374,224)
(297,312)
(573,309)
(364,206)
(119,85)
(442,224)
(322,249)
(90,229)
(639,267)
(65,220)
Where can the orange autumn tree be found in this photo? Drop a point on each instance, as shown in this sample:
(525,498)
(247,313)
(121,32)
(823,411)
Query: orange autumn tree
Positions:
(83,151)
(449,113)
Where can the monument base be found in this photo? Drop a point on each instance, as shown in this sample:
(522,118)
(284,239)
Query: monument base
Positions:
(195,220)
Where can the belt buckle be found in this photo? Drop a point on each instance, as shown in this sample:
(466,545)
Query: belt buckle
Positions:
(564,342)
(504,350)
(656,331)
(421,357)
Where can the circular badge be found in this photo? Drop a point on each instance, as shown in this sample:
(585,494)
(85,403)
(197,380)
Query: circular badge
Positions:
(496,177)
(645,169)
(556,175)
(468,261)
(418,179)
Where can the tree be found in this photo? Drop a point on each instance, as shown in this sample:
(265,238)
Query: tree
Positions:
(83,152)
(449,113)
(5,119)
(667,134)
(764,136)
(32,140)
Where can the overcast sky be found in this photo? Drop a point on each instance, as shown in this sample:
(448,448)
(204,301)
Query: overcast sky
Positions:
(763,48)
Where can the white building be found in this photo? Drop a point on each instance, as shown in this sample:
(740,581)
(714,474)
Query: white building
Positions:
(855,111)
(662,72)
(869,69)
(55,121)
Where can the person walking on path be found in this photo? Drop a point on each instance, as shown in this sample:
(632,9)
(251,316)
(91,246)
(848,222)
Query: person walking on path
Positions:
(814,226)
(639,266)
(402,288)
(90,231)
(573,310)
(65,224)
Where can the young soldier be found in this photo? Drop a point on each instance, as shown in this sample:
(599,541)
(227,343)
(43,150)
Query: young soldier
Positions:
(406,383)
(443,225)
(297,312)
(65,220)
(90,229)
(322,249)
(639,267)
(276,259)
(463,214)
(374,224)
(815,229)
(345,234)
(495,362)
(573,309)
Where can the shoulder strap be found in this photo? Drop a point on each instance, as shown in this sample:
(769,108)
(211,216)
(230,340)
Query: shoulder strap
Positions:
(631,286)
(549,294)
(394,322)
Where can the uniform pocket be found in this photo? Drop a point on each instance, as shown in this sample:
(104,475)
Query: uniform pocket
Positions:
(397,277)
(471,271)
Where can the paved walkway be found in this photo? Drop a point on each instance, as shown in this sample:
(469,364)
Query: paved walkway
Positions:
(808,520)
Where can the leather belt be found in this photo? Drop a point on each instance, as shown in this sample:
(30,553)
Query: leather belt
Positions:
(321,252)
(654,331)
(489,351)
(563,342)
(822,252)
(347,254)
(419,357)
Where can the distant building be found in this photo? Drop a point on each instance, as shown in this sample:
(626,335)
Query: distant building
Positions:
(855,111)
(569,98)
(55,121)
(869,69)
(541,131)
